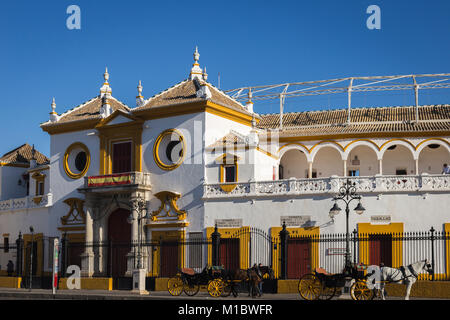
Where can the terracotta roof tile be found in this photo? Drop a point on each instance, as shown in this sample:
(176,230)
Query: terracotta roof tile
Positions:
(362,120)
(23,155)
(185,92)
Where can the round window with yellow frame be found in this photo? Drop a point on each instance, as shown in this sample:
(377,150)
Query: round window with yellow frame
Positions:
(76,160)
(169,149)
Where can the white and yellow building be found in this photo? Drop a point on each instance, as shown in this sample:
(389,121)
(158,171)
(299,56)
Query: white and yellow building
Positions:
(199,158)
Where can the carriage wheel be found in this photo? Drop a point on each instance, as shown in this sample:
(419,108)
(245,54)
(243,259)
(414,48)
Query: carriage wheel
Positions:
(191,289)
(215,288)
(175,286)
(227,288)
(360,291)
(327,293)
(309,287)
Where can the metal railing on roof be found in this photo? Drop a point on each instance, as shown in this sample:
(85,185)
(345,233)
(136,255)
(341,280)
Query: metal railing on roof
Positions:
(414,82)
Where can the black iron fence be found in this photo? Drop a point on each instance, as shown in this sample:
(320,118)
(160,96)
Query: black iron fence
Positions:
(290,254)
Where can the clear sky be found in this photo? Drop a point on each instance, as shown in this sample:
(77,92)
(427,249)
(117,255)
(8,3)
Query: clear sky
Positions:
(248,42)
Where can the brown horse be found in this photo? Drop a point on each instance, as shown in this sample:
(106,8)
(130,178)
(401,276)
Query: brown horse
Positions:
(252,278)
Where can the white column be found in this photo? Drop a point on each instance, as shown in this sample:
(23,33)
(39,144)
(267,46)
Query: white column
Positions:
(87,258)
(310,169)
(345,168)
(380,166)
(417,166)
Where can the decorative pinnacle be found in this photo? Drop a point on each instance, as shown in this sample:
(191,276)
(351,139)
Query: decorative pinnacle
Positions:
(139,87)
(53,106)
(33,153)
(205,75)
(106,75)
(196,55)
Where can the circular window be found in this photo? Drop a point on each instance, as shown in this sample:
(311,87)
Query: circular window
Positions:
(76,160)
(169,149)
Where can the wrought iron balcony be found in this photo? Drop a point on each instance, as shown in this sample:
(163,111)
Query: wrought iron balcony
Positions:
(120,180)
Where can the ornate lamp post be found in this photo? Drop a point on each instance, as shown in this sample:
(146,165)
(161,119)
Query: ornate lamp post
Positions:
(347,193)
(31,257)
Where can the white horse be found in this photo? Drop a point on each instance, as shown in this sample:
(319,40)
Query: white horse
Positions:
(406,275)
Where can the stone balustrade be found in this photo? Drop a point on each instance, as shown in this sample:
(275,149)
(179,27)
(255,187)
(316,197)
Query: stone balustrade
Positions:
(29,202)
(294,187)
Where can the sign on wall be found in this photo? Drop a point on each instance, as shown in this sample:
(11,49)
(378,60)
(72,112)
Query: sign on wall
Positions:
(295,221)
(228,223)
(380,219)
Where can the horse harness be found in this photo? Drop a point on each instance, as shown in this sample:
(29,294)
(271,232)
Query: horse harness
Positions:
(402,269)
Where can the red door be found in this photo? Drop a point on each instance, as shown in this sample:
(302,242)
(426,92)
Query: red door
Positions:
(169,258)
(229,253)
(298,258)
(119,236)
(121,160)
(380,249)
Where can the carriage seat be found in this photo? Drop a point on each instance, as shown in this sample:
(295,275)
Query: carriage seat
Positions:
(188,271)
(322,271)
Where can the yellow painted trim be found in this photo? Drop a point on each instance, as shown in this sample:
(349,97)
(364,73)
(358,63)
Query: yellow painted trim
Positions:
(429,139)
(75,204)
(358,140)
(10,282)
(72,228)
(228,187)
(447,250)
(121,132)
(170,235)
(37,237)
(156,145)
(267,153)
(89,284)
(17,165)
(365,229)
(397,139)
(227,233)
(327,141)
(296,232)
(367,135)
(69,173)
(167,225)
(168,198)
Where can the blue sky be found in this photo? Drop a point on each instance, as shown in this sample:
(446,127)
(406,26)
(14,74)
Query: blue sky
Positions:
(248,42)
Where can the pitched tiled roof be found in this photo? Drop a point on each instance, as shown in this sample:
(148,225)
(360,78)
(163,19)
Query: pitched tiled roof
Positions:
(89,110)
(185,92)
(23,155)
(362,120)
(231,139)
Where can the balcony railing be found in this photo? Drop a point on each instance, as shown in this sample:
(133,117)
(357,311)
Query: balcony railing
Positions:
(291,187)
(29,202)
(116,180)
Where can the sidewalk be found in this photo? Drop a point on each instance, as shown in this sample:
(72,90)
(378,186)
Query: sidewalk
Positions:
(45,294)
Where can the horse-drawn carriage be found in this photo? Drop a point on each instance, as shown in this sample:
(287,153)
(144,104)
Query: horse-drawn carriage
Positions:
(189,281)
(324,286)
(218,281)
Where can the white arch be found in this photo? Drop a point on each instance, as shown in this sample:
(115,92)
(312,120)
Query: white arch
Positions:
(354,144)
(400,142)
(294,146)
(427,142)
(325,144)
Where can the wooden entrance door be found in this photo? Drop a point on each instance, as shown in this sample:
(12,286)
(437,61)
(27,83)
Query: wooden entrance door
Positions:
(380,249)
(119,236)
(169,258)
(121,157)
(229,253)
(298,258)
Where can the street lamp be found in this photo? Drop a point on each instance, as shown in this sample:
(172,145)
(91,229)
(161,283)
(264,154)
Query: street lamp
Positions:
(347,193)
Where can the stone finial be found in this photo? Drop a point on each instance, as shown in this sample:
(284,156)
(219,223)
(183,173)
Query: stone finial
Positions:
(139,97)
(105,90)
(53,115)
(196,71)
(205,75)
